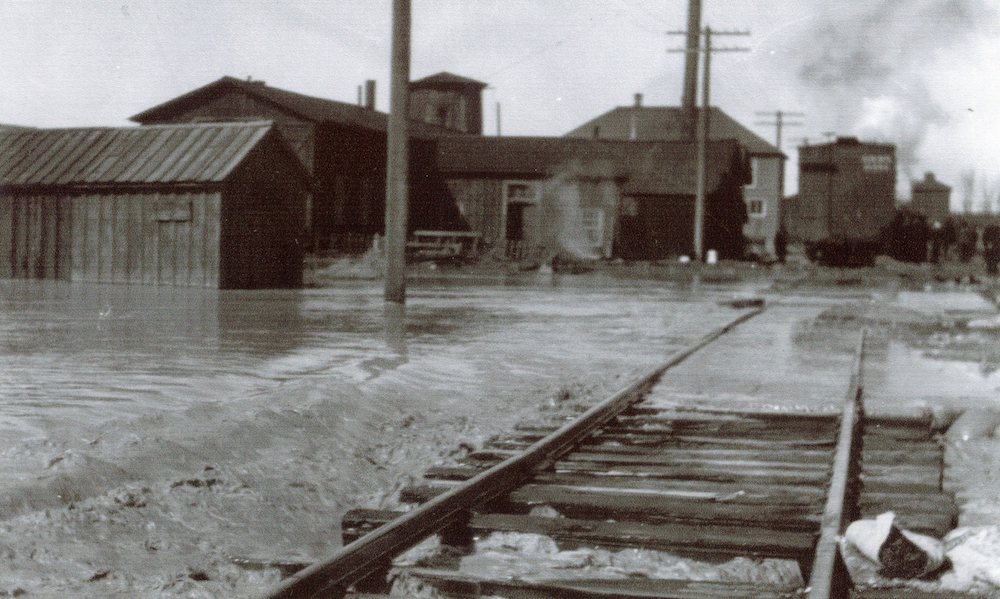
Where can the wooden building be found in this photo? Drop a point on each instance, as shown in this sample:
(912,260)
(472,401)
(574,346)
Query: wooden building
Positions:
(633,200)
(762,193)
(846,200)
(537,196)
(343,147)
(206,205)
(449,101)
(932,199)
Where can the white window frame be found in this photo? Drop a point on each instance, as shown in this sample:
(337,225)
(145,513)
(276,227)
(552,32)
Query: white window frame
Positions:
(532,185)
(754,174)
(592,221)
(876,163)
(763,208)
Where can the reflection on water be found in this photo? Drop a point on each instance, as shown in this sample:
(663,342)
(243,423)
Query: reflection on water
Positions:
(909,375)
(82,354)
(918,363)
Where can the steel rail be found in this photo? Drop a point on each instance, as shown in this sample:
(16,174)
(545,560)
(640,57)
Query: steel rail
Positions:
(824,572)
(332,575)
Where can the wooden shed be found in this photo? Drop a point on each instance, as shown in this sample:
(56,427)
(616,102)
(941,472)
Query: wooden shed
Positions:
(201,205)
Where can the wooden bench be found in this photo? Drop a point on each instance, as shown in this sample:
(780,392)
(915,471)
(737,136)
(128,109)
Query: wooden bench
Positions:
(431,245)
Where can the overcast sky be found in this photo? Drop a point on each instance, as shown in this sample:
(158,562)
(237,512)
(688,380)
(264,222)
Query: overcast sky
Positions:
(919,73)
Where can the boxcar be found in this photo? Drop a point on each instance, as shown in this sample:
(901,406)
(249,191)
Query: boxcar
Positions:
(847,196)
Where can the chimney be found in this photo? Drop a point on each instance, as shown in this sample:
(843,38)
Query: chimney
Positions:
(929,177)
(361,101)
(370,94)
(638,100)
(633,125)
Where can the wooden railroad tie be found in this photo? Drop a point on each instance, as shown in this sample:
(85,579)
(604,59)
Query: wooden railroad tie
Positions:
(704,484)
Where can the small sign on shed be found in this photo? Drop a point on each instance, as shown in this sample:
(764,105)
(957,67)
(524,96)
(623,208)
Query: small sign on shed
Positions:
(173,211)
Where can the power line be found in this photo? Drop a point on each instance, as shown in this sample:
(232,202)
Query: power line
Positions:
(705,49)
(544,49)
(779,122)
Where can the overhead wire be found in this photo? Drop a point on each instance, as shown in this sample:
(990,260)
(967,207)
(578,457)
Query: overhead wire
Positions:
(625,7)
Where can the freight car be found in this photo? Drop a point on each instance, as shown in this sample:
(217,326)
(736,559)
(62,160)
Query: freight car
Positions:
(846,200)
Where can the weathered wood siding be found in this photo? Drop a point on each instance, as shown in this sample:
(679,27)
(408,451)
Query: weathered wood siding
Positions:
(350,183)
(262,219)
(480,201)
(301,135)
(34,237)
(169,239)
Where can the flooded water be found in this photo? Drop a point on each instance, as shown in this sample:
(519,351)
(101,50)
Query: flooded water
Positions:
(161,431)
(79,353)
(76,356)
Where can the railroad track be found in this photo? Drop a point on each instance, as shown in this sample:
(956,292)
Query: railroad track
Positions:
(705,484)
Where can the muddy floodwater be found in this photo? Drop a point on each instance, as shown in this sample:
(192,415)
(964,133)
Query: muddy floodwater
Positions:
(151,438)
(75,356)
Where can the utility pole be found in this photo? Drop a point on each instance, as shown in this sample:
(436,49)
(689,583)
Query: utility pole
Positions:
(397,159)
(689,99)
(704,124)
(779,123)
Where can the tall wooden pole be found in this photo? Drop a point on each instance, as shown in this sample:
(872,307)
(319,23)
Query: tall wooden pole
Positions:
(689,99)
(780,122)
(703,124)
(397,161)
(703,128)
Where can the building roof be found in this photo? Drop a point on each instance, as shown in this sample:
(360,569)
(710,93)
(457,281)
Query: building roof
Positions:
(669,123)
(309,108)
(446,79)
(197,153)
(929,184)
(653,168)
(848,142)
(4,128)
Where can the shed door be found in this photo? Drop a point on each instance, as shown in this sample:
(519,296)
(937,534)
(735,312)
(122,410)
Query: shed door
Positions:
(173,239)
(669,226)
(175,256)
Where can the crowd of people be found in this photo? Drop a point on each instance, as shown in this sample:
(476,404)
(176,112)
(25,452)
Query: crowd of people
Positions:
(911,238)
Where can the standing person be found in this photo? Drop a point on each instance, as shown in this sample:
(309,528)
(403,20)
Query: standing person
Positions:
(966,242)
(781,244)
(937,241)
(921,234)
(991,248)
(948,238)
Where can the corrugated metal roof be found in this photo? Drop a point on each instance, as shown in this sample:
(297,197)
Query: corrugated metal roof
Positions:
(196,153)
(669,123)
(655,168)
(5,127)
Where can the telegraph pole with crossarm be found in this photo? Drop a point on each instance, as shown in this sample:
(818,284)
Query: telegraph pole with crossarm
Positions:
(779,123)
(706,50)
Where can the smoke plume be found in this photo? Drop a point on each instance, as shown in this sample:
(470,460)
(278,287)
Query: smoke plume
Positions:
(865,63)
